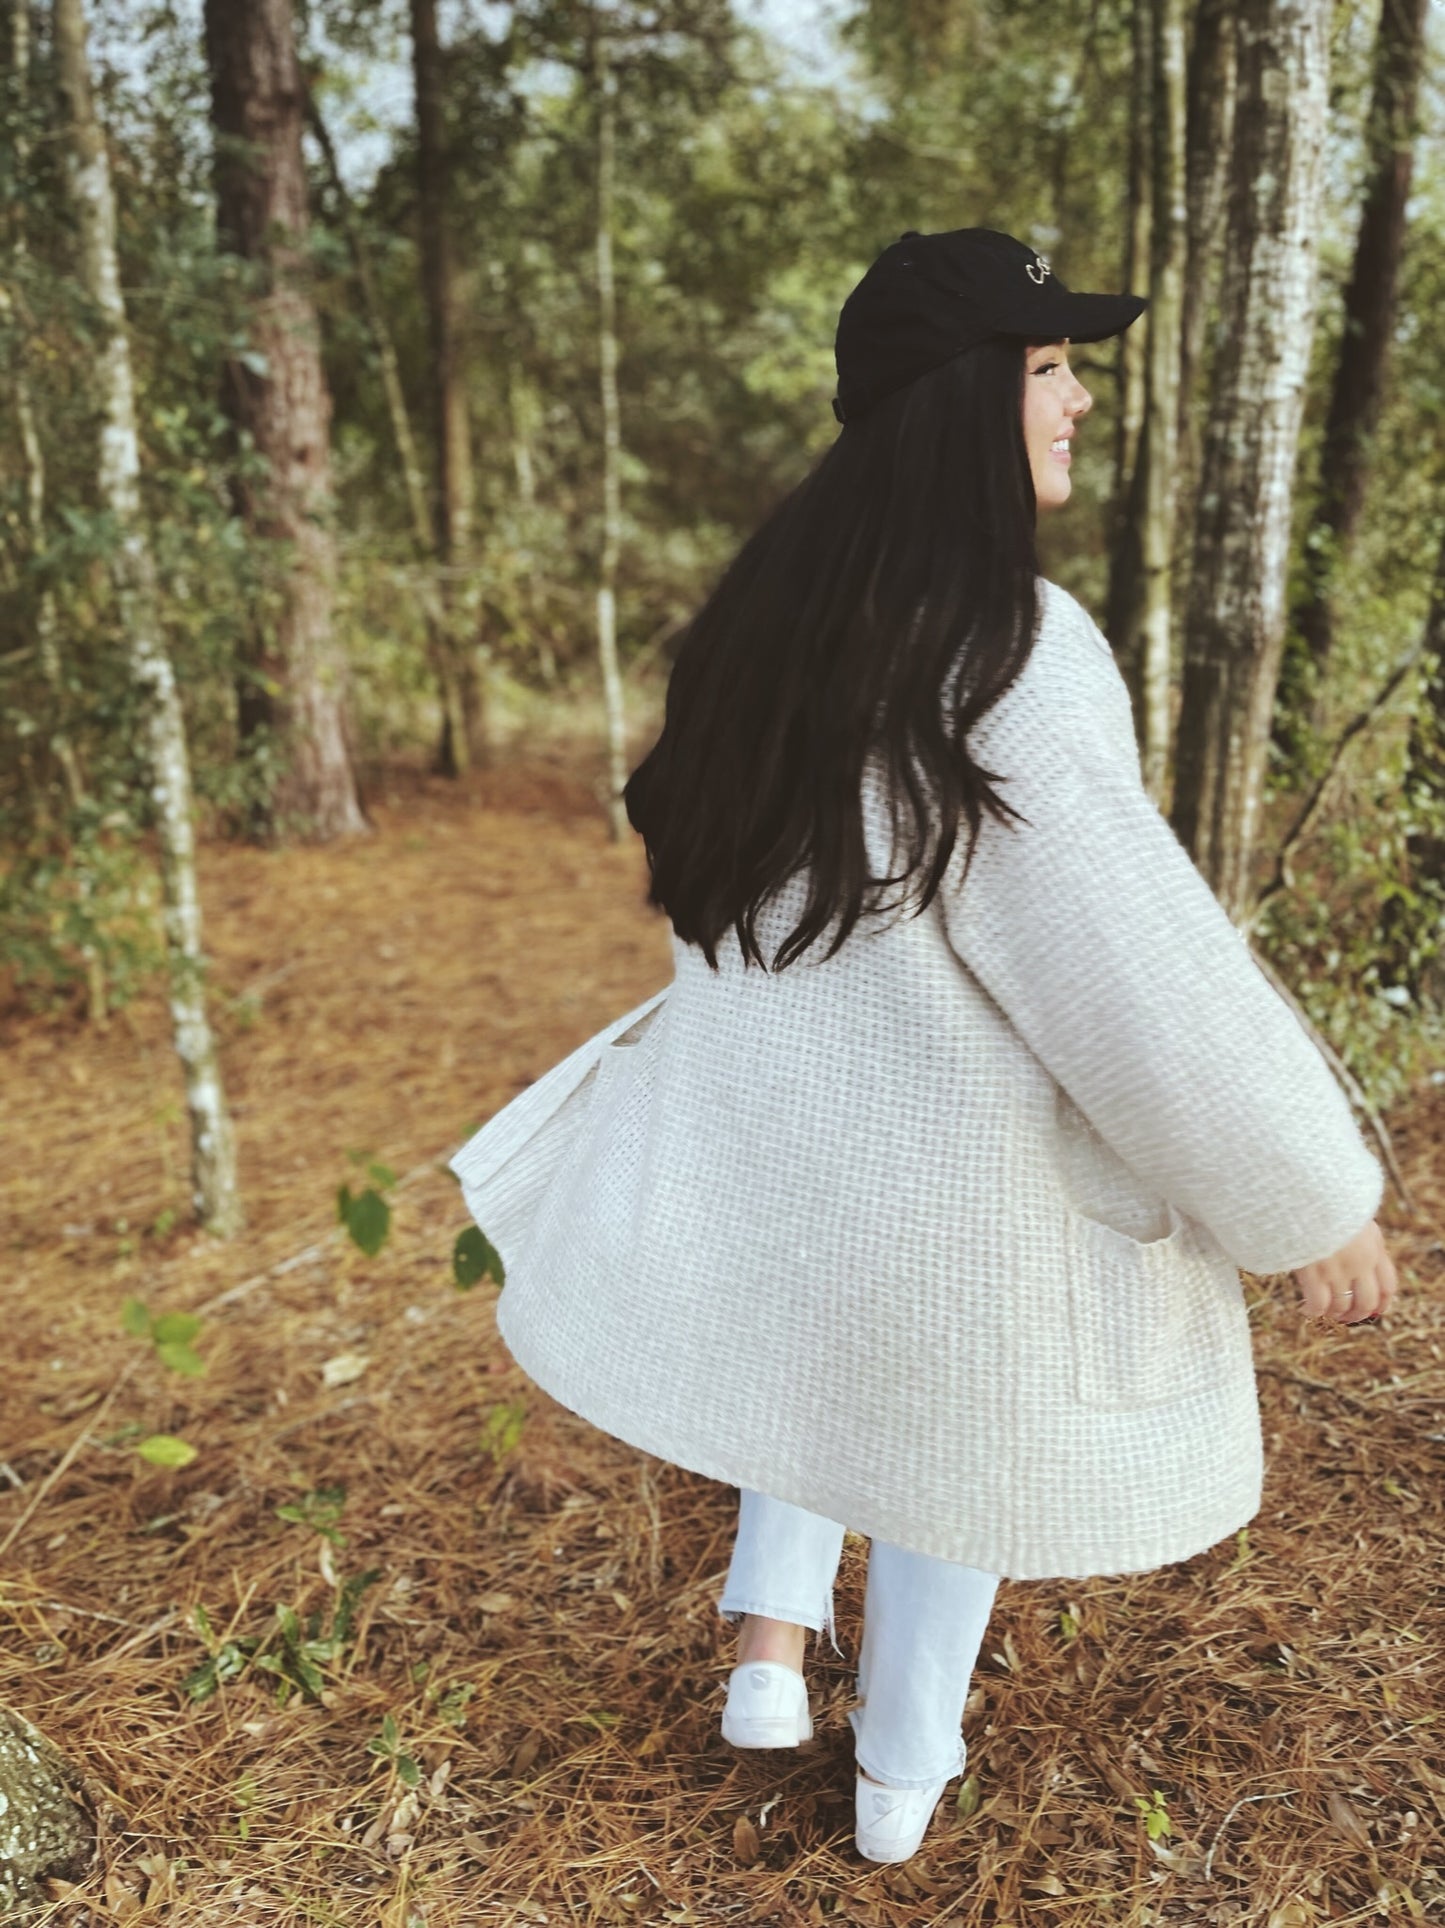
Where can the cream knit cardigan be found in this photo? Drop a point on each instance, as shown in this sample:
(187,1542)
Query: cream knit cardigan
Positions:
(939,1238)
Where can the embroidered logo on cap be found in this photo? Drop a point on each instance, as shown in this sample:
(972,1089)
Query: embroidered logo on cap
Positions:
(1038,268)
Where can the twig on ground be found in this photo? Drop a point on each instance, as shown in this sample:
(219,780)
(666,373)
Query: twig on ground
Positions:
(1278,1795)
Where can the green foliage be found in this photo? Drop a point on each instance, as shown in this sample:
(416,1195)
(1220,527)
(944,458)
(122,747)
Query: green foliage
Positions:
(1154,1814)
(164,1449)
(502,1429)
(366,1214)
(171,1333)
(296,1651)
(387,1744)
(474,1258)
(320,1510)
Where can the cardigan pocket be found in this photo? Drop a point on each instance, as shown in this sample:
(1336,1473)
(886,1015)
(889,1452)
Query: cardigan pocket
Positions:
(1151,1321)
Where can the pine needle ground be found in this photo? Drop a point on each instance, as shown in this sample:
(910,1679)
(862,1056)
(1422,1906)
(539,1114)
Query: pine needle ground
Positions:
(519,1724)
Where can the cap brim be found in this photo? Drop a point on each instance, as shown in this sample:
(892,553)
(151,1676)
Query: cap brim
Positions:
(1058,314)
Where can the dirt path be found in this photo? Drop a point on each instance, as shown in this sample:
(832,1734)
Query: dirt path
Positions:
(539,1650)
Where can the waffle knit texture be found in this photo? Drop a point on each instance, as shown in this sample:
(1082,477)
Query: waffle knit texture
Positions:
(939,1237)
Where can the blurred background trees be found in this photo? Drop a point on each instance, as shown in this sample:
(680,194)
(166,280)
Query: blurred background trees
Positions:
(469,339)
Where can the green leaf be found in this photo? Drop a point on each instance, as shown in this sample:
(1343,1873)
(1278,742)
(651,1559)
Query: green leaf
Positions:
(175,1328)
(1068,1625)
(180,1358)
(164,1449)
(135,1318)
(389,1732)
(201,1682)
(381,1175)
(407,1771)
(346,1605)
(201,1621)
(368,1220)
(969,1797)
(343,1204)
(501,1429)
(474,1258)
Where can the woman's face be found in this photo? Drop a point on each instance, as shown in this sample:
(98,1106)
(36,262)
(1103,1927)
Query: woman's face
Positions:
(1054,399)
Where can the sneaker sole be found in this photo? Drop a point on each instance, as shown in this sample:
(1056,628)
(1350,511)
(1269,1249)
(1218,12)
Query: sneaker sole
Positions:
(756,1732)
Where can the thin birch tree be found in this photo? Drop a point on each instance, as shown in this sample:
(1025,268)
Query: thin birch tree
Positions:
(1124,539)
(132,570)
(604,91)
(1143,588)
(1234,623)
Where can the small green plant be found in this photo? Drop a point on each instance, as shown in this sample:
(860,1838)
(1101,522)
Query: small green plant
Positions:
(475,1258)
(248,1796)
(225,1659)
(452,1707)
(171,1333)
(1154,1814)
(1068,1625)
(969,1796)
(319,1509)
(295,1651)
(501,1429)
(387,1744)
(301,1649)
(366,1214)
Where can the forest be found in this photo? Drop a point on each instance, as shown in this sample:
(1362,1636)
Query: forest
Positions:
(385,384)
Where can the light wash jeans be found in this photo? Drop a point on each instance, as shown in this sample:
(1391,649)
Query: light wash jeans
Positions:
(923,1624)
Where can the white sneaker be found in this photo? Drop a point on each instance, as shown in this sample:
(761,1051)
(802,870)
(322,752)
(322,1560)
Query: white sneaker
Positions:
(767,1706)
(891,1821)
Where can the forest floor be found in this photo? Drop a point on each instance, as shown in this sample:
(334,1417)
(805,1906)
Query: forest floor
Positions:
(520,1724)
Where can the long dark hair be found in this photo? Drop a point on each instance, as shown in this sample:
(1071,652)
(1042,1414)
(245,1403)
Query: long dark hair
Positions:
(883,606)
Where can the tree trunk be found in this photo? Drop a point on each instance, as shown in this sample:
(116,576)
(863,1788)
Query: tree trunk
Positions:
(295,686)
(1124,560)
(213,1161)
(46,1827)
(1145,636)
(1209,124)
(1369,318)
(32,452)
(605,88)
(463,722)
(1234,628)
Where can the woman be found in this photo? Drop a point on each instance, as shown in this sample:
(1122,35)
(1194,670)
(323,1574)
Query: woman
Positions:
(923,1215)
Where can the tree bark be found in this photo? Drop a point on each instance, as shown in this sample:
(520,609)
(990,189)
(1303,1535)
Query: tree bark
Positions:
(463,722)
(1145,586)
(605,90)
(1124,557)
(1234,629)
(213,1159)
(32,451)
(1209,123)
(46,1826)
(1369,317)
(295,686)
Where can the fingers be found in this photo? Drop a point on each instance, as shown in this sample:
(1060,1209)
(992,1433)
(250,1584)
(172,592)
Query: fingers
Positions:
(1367,1294)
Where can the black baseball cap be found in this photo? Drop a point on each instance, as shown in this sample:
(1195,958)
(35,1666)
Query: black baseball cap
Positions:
(930,296)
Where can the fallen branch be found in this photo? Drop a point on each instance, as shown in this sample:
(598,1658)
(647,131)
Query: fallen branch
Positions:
(1282,879)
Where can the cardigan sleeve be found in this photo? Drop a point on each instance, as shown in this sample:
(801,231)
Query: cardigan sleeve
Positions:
(1092,930)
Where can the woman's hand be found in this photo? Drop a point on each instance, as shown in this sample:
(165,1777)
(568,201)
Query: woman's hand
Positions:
(1357,1282)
